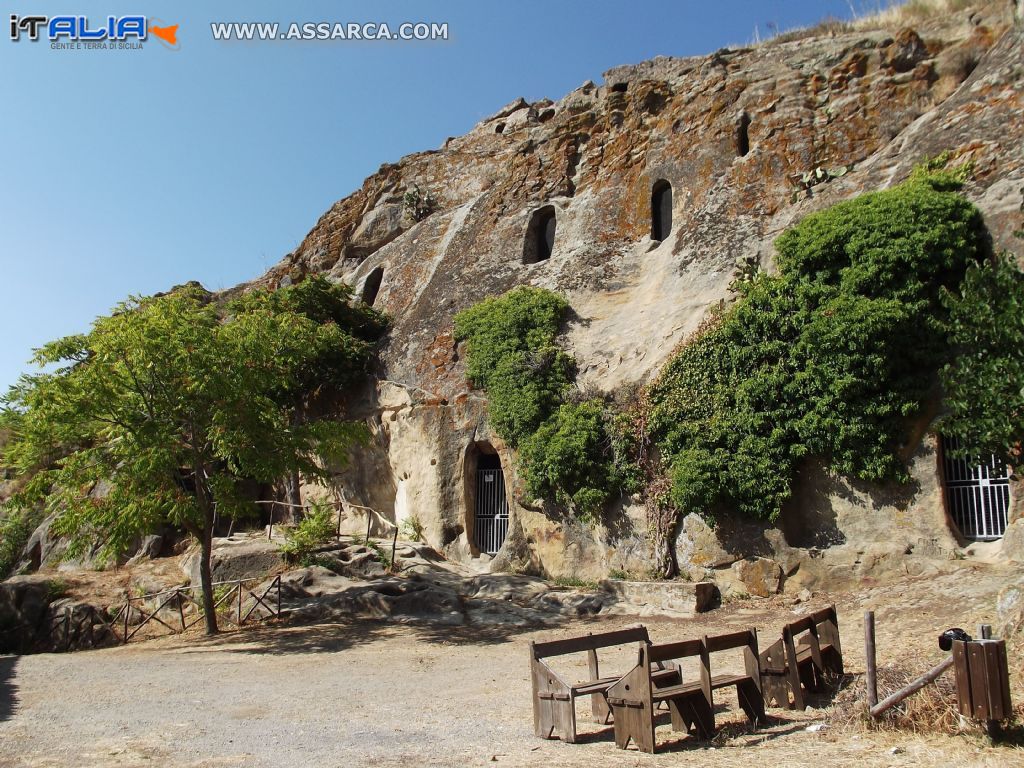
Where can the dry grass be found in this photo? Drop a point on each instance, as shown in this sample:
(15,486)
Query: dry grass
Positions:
(881,14)
(932,710)
(929,712)
(898,14)
(827,27)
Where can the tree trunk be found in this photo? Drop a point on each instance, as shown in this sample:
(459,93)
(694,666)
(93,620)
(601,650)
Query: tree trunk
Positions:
(292,482)
(293,496)
(662,524)
(206,579)
(207,508)
(665,566)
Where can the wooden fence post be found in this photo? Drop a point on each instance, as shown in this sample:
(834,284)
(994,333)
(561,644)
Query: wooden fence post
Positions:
(869,655)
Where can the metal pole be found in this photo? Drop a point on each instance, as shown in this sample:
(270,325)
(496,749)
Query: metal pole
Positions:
(394,544)
(239,604)
(369,520)
(984,631)
(869,656)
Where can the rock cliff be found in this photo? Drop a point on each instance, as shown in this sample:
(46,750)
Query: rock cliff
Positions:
(740,136)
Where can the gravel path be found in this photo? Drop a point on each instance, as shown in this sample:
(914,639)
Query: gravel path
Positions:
(374,694)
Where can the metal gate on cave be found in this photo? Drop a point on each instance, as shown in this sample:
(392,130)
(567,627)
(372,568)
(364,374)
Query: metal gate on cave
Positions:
(977,495)
(491,515)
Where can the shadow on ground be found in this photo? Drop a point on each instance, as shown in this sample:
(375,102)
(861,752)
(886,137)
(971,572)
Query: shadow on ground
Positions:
(8,689)
(342,635)
(774,727)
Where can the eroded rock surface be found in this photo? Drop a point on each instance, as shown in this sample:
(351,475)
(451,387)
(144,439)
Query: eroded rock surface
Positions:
(733,133)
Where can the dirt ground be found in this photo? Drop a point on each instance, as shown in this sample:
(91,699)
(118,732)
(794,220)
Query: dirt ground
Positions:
(369,693)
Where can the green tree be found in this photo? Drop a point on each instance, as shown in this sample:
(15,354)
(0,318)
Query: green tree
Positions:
(165,408)
(333,368)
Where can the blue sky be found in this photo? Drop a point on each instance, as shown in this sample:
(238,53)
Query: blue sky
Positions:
(127,172)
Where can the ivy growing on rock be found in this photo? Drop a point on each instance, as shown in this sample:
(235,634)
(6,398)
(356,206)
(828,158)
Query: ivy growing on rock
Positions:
(512,354)
(829,358)
(984,381)
(883,307)
(567,459)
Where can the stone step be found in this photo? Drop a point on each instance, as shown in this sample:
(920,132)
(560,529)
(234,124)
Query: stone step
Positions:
(659,598)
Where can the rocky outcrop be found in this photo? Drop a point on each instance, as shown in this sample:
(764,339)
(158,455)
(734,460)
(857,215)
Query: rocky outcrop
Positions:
(424,588)
(45,549)
(316,593)
(241,557)
(678,599)
(1010,611)
(733,133)
(34,618)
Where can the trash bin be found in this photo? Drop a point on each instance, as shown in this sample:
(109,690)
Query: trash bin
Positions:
(982,679)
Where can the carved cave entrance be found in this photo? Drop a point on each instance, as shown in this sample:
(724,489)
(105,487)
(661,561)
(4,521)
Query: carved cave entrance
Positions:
(540,236)
(661,210)
(977,495)
(371,286)
(486,505)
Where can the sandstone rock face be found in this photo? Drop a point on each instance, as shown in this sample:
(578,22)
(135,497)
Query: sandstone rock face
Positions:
(1010,611)
(732,133)
(661,598)
(760,576)
(828,511)
(244,557)
(1013,541)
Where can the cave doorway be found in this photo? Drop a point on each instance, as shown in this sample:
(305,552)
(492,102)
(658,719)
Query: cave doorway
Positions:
(977,495)
(743,135)
(371,286)
(487,506)
(540,236)
(661,210)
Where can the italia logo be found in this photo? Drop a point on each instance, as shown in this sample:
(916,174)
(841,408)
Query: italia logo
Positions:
(81,29)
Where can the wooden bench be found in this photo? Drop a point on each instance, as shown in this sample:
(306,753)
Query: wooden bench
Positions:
(554,700)
(797,662)
(634,698)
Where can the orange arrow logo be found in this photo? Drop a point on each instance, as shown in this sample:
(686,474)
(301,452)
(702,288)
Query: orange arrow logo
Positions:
(167,34)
